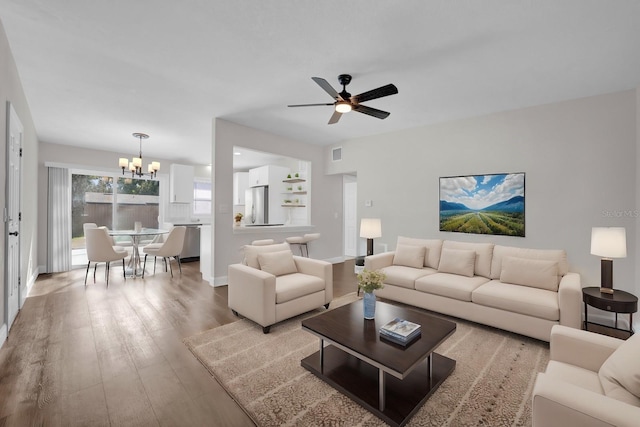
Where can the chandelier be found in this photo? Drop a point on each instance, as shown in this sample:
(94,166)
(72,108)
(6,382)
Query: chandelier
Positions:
(135,165)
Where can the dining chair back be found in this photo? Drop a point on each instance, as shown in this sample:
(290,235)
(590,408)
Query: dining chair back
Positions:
(99,249)
(168,249)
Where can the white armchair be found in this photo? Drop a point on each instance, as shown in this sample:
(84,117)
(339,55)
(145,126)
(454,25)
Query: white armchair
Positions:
(577,390)
(273,285)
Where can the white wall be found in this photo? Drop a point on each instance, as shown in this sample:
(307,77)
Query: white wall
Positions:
(580,160)
(326,193)
(11,90)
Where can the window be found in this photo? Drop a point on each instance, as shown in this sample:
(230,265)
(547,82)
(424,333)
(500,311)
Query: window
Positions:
(201,197)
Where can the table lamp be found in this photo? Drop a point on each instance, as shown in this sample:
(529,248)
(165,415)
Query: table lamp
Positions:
(608,243)
(370,228)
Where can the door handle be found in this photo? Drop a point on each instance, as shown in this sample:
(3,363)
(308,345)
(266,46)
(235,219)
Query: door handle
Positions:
(15,233)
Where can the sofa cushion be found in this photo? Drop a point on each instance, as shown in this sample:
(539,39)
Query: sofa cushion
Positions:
(277,263)
(457,261)
(499,252)
(620,373)
(518,299)
(405,277)
(432,255)
(296,285)
(450,285)
(251,252)
(484,253)
(537,273)
(575,375)
(409,256)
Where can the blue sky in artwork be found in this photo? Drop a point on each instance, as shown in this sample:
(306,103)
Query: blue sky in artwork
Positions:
(480,191)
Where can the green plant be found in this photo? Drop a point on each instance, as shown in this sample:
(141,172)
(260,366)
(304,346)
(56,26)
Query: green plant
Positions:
(289,176)
(297,175)
(238,217)
(369,280)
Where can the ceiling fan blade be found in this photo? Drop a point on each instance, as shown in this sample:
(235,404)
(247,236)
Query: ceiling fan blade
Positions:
(371,111)
(335,117)
(308,105)
(327,87)
(387,90)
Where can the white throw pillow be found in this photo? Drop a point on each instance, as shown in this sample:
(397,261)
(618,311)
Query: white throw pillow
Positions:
(251,252)
(535,273)
(620,373)
(409,256)
(457,261)
(277,263)
(433,246)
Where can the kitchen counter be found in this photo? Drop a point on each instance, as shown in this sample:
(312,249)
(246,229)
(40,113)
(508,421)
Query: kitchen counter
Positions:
(258,229)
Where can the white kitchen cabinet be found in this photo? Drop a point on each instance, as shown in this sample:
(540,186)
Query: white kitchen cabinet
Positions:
(240,184)
(180,183)
(268,175)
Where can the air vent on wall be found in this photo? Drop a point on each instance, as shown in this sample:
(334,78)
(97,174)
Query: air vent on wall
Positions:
(337,154)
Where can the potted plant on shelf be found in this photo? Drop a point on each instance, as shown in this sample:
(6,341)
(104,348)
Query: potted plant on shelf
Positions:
(369,281)
(238,218)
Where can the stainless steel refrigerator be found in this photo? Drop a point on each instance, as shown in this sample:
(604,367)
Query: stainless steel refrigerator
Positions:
(256,208)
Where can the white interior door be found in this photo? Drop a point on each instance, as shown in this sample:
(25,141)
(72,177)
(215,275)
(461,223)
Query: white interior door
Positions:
(350,215)
(12,216)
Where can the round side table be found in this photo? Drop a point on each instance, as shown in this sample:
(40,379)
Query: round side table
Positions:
(617,302)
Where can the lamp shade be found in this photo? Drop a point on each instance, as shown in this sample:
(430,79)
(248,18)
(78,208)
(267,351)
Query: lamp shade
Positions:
(609,242)
(370,228)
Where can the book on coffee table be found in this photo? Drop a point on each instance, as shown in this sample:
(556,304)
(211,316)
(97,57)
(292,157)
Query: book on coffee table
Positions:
(400,331)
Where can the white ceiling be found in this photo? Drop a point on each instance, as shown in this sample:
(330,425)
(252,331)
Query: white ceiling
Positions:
(96,71)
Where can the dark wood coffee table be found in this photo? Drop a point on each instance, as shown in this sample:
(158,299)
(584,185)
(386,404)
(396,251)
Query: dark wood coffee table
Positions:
(394,381)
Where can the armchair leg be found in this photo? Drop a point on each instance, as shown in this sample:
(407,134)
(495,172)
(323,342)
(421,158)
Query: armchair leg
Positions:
(327,305)
(235,313)
(95,266)
(266,329)
(86,274)
(155,258)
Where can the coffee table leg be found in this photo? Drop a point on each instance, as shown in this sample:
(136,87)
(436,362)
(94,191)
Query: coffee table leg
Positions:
(430,365)
(322,356)
(381,397)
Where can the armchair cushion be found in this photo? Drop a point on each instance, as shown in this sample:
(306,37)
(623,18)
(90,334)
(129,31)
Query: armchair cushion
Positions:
(251,252)
(277,263)
(293,286)
(409,256)
(536,273)
(620,373)
(457,261)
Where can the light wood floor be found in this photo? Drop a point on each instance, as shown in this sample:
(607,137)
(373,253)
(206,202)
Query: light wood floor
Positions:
(114,356)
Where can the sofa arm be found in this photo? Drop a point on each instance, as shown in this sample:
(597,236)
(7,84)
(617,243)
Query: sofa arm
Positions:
(378,261)
(252,293)
(576,347)
(318,268)
(557,403)
(570,300)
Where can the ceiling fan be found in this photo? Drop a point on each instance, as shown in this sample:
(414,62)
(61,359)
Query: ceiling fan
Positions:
(344,102)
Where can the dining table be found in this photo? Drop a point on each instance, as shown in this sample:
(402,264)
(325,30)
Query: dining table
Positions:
(134,268)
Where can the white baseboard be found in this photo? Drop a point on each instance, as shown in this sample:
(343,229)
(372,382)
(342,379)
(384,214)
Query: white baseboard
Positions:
(31,282)
(219,281)
(3,335)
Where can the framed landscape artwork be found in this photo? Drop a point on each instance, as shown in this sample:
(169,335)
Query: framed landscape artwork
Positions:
(483,204)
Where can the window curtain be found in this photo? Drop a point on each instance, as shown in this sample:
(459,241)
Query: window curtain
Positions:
(59,220)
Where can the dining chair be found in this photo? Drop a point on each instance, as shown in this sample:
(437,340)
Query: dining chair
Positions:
(99,249)
(171,247)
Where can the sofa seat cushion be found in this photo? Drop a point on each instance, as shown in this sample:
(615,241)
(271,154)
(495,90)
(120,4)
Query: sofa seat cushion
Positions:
(518,299)
(450,285)
(575,375)
(296,285)
(405,277)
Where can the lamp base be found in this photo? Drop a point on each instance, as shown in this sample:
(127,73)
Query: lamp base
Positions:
(606,290)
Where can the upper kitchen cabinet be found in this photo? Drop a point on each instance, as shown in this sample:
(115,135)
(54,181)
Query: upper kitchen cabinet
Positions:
(240,184)
(181,183)
(267,175)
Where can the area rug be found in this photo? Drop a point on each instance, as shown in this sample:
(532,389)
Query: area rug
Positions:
(490,386)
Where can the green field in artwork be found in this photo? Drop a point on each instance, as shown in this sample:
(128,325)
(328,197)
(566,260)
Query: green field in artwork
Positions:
(481,222)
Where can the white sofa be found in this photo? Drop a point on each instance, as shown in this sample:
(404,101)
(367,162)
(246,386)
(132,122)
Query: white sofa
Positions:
(526,291)
(591,380)
(272,284)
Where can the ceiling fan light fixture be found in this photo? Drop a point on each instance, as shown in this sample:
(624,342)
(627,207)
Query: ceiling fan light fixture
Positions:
(343,107)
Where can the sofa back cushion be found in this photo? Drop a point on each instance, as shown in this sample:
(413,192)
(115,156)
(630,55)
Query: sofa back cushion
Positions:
(483,252)
(457,261)
(409,256)
(277,263)
(251,252)
(432,254)
(499,252)
(536,273)
(620,373)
